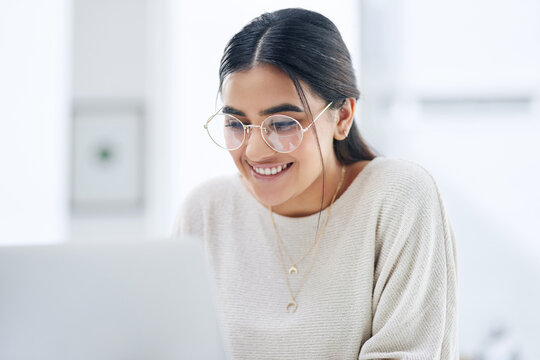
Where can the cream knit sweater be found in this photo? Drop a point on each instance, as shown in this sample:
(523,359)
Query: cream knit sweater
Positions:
(382,284)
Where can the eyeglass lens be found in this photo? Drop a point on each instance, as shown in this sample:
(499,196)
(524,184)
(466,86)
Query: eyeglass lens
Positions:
(282,133)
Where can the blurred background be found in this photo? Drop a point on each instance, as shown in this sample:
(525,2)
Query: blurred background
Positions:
(102,104)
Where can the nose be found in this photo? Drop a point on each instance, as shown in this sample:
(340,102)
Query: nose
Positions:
(256,147)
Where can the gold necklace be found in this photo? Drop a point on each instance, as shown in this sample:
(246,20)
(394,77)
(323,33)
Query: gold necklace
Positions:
(292,305)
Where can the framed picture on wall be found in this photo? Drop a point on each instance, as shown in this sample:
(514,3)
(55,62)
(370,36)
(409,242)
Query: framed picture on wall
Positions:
(107,157)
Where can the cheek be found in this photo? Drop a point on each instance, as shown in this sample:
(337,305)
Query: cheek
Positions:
(324,139)
(307,156)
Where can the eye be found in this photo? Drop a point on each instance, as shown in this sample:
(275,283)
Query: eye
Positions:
(233,124)
(284,125)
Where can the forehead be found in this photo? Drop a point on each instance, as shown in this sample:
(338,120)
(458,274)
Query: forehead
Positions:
(260,87)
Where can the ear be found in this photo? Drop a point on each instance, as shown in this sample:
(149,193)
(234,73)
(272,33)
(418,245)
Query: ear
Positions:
(345,119)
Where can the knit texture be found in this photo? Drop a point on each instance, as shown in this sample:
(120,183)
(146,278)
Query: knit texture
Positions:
(382,284)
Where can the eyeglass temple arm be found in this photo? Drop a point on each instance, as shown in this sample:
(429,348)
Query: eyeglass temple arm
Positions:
(318,116)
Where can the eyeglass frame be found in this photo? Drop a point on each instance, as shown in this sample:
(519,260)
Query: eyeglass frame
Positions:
(247,129)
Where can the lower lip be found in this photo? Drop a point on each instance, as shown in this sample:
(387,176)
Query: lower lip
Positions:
(258,176)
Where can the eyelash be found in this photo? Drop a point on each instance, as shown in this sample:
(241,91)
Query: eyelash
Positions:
(302,121)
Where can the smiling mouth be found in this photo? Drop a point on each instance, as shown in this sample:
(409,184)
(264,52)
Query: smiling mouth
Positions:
(270,170)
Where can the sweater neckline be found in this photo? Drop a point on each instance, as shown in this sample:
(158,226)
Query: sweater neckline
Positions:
(313,218)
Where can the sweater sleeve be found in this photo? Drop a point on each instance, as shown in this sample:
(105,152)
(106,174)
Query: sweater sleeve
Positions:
(414,307)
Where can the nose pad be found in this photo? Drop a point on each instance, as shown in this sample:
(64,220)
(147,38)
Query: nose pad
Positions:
(250,129)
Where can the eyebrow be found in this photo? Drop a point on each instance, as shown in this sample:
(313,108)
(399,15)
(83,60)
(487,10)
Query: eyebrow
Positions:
(269,111)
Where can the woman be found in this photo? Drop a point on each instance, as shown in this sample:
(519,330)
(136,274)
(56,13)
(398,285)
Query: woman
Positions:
(319,249)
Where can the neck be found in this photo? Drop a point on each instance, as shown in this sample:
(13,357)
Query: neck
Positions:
(309,202)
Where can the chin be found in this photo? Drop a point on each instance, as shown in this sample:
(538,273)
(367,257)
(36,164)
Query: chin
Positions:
(269,200)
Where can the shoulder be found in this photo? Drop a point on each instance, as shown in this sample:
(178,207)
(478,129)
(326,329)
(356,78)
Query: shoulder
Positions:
(407,201)
(400,181)
(404,195)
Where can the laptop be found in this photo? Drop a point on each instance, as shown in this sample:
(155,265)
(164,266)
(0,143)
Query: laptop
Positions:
(140,300)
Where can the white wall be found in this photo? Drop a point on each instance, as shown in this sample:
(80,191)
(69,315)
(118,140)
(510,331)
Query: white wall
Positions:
(34,110)
(486,51)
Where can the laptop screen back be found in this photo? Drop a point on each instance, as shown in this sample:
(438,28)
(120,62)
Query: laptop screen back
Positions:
(150,300)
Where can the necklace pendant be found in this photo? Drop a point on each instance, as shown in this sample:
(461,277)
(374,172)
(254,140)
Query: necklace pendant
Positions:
(292,306)
(293,270)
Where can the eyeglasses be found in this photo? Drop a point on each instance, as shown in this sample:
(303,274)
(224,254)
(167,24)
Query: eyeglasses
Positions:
(282,133)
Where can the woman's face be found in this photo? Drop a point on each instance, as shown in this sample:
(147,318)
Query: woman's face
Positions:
(252,96)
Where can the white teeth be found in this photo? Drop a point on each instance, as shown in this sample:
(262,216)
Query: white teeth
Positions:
(270,171)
